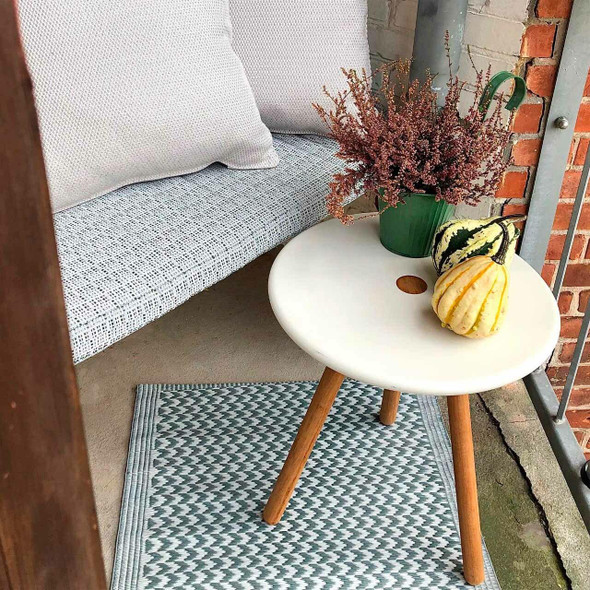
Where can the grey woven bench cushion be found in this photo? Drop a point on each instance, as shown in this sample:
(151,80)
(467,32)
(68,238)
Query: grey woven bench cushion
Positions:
(132,255)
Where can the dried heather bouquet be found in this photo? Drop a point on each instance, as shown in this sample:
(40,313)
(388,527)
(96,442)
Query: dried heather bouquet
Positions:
(398,140)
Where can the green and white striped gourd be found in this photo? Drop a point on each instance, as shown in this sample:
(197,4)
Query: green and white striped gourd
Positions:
(460,239)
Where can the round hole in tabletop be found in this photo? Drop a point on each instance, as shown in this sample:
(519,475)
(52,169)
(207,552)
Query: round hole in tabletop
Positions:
(411,284)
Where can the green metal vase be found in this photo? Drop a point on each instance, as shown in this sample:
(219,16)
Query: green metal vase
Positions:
(409,228)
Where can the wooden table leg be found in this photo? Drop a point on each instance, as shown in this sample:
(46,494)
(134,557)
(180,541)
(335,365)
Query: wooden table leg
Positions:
(466,485)
(302,446)
(389,405)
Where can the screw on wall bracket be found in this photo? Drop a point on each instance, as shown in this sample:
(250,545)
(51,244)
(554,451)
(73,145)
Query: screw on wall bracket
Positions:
(561,123)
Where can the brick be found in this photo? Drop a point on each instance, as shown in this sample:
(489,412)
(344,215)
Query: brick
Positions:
(390,44)
(526,152)
(565,301)
(538,41)
(583,300)
(492,33)
(556,242)
(528,118)
(403,15)
(548,272)
(585,245)
(583,120)
(577,275)
(554,8)
(569,185)
(557,375)
(563,214)
(496,61)
(580,397)
(567,352)
(379,11)
(507,9)
(570,327)
(580,436)
(518,209)
(587,85)
(581,151)
(540,80)
(513,185)
(578,418)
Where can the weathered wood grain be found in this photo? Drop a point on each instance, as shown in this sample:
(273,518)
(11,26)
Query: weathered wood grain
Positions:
(48,529)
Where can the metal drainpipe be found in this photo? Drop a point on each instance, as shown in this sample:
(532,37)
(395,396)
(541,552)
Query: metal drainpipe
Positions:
(435,17)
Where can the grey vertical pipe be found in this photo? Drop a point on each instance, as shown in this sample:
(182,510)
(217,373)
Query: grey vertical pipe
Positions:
(435,18)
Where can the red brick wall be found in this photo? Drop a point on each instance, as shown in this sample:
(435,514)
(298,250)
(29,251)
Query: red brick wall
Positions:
(541,47)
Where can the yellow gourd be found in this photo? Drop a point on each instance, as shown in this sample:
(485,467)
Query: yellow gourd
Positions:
(471,298)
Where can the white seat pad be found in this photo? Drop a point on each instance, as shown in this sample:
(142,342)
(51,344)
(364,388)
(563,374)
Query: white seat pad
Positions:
(132,255)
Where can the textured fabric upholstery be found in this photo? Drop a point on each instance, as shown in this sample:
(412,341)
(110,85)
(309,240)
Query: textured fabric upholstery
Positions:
(291,49)
(134,90)
(130,256)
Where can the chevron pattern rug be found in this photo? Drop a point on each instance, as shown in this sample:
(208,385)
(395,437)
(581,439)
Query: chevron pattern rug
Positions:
(374,508)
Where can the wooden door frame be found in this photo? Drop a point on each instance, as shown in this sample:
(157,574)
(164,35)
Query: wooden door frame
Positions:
(49,535)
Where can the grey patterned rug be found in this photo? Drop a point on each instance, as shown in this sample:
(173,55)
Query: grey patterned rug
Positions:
(375,507)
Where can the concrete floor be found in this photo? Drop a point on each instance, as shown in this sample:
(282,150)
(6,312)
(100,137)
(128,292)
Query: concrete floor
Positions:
(228,333)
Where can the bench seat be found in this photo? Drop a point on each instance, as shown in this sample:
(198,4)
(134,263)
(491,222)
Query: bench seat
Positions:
(136,253)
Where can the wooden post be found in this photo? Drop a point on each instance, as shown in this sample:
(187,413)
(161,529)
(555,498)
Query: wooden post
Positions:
(308,433)
(389,406)
(48,529)
(466,486)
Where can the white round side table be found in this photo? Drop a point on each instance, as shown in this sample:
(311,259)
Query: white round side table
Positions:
(336,292)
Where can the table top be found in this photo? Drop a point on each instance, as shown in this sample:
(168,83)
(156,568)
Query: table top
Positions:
(333,290)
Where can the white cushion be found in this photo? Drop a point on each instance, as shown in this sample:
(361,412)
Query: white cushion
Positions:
(292,48)
(135,90)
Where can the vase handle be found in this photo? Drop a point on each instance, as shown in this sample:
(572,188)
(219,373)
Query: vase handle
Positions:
(518,92)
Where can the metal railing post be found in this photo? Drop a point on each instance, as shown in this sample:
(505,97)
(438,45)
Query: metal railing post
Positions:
(571,230)
(583,334)
(569,88)
(571,77)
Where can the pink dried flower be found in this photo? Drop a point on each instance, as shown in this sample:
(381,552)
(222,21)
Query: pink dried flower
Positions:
(397,140)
